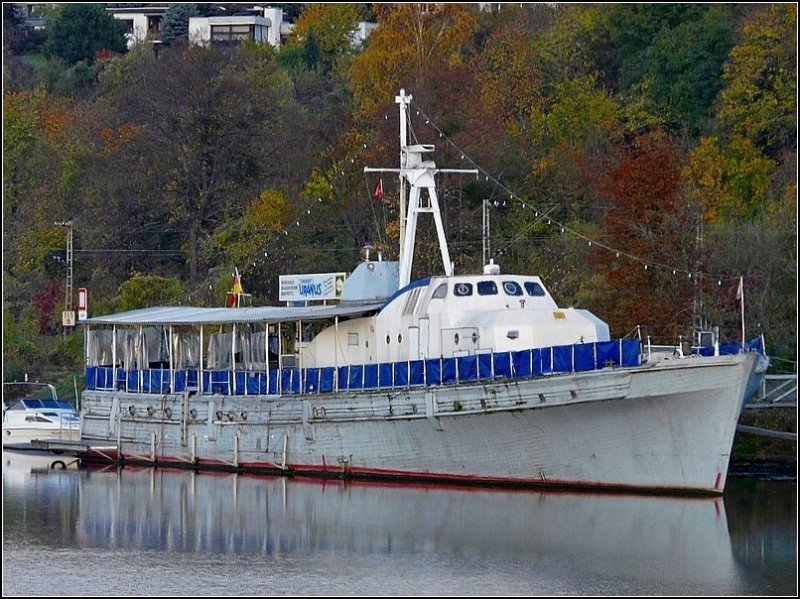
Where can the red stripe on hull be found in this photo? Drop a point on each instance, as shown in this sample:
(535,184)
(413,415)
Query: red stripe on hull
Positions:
(402,476)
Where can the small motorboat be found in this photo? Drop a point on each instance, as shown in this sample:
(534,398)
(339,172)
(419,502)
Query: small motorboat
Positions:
(32,419)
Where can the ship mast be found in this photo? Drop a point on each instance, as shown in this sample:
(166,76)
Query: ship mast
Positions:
(416,174)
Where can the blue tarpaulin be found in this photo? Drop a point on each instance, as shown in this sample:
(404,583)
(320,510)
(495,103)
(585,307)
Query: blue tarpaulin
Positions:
(435,371)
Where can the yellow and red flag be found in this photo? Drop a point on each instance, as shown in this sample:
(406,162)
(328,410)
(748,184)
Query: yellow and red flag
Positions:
(236,290)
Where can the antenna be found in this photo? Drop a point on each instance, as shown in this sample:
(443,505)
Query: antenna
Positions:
(419,174)
(485,233)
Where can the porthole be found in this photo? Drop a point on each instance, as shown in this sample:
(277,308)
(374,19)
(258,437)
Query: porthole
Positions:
(463,289)
(512,288)
(399,338)
(456,338)
(388,339)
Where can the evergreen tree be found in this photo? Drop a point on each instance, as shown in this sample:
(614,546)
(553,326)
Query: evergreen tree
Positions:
(77,32)
(311,50)
(176,21)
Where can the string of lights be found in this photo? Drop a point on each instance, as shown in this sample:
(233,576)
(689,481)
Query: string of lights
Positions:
(647,264)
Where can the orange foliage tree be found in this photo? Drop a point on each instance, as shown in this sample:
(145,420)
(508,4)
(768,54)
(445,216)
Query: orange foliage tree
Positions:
(648,218)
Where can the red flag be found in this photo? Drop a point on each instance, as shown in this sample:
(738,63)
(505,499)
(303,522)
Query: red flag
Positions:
(378,195)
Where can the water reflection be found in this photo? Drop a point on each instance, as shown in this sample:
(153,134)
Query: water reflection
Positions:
(183,511)
(553,543)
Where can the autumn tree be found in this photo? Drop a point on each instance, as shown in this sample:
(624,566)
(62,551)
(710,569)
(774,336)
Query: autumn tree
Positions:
(653,228)
(730,180)
(508,67)
(410,39)
(201,121)
(759,98)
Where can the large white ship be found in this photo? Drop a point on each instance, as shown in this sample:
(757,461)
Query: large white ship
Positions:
(474,378)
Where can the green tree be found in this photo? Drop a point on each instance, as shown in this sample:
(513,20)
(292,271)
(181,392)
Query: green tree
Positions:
(176,21)
(330,26)
(731,181)
(14,31)
(681,69)
(144,291)
(77,32)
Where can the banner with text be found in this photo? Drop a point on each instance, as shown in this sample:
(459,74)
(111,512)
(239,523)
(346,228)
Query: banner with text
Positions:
(304,288)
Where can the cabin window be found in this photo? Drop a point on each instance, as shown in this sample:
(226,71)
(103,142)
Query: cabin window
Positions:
(534,289)
(441,291)
(512,288)
(352,338)
(462,289)
(487,288)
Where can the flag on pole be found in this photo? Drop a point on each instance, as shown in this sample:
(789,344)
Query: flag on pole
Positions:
(236,290)
(740,301)
(378,194)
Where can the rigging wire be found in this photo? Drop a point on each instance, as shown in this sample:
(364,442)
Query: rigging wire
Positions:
(564,228)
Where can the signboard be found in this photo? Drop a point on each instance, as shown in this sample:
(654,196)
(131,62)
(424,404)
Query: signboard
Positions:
(82,303)
(305,288)
(68,318)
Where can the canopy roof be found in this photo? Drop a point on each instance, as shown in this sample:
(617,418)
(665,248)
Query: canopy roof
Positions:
(188,315)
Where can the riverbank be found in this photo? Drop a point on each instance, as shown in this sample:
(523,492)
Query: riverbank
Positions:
(766,458)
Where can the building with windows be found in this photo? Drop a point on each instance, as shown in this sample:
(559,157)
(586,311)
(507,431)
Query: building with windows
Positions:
(264,27)
(142,23)
(228,30)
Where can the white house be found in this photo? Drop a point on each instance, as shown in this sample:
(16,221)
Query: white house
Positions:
(263,28)
(228,29)
(141,22)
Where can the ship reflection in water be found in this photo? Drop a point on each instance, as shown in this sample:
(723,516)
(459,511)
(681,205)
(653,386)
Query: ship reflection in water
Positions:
(247,534)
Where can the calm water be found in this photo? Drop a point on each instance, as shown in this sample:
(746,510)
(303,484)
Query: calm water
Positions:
(157,532)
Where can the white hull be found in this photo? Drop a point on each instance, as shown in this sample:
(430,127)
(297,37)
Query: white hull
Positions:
(23,435)
(662,427)
(34,459)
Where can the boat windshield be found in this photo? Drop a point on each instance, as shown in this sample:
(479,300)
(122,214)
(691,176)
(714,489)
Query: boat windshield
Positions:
(41,404)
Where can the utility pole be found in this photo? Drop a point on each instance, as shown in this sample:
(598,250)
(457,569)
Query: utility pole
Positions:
(68,316)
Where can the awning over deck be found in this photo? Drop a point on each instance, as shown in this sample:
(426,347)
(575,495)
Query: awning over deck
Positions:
(188,315)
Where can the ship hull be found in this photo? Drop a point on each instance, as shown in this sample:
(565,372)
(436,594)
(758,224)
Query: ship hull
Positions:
(664,427)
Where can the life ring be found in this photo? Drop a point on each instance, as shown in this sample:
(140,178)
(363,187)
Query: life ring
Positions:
(59,463)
